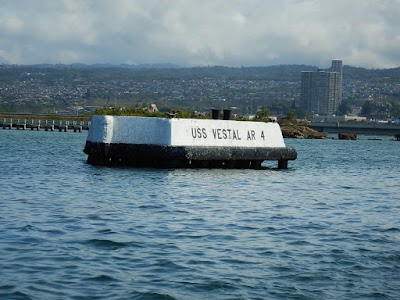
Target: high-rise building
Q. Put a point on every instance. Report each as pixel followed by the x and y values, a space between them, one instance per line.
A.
pixel 321 91
pixel 337 67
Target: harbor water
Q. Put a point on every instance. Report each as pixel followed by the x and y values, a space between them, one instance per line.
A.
pixel 326 228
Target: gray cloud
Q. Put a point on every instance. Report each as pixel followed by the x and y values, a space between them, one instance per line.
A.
pixel 191 32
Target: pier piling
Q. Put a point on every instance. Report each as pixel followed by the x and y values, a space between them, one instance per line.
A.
pixel 282 164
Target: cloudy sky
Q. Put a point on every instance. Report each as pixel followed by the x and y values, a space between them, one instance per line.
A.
pixel 364 33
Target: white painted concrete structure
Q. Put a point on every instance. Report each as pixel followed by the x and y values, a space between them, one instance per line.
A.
pixel 188 143
pixel 184 132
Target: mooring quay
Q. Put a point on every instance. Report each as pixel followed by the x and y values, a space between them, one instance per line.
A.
pixel 185 143
pixel 47 125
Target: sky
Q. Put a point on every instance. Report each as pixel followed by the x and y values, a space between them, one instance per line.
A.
pixel 363 33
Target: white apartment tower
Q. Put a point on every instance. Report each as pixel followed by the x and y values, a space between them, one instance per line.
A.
pixel 321 91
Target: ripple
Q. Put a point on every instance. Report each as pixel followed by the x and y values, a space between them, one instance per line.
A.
pixel 216 285
pixel 28 228
pixel 374 295
pixel 167 264
pixel 112 245
pixel 391 230
pixel 102 278
pixel 106 231
pixel 201 262
pixel 16 295
pixel 300 243
pixel 151 206
pixel 281 269
pixel 153 296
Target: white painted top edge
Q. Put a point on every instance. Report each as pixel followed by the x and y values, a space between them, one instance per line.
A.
pixel 184 132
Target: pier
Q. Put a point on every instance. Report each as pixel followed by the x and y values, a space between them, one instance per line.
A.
pixel 46 125
pixel 357 128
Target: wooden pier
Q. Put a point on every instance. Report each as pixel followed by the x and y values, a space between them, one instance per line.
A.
pixel 46 125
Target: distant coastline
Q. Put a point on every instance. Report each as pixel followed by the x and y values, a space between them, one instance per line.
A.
pixel 77 88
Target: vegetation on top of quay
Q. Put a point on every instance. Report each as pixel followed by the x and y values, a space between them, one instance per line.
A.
pixel 290 126
pixel 143 112
pixel 262 114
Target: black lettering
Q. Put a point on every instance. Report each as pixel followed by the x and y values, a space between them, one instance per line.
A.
pixel 219 133
pixel 235 136
pixel 229 133
pixel 223 134
pixel 199 133
pixel 204 133
pixel 251 135
pixel 262 135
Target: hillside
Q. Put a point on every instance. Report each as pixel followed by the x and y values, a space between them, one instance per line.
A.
pixel 50 88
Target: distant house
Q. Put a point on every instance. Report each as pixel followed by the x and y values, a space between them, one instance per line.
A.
pixel 152 108
pixel 89 108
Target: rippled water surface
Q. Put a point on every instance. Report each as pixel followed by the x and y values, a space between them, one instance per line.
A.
pixel 326 228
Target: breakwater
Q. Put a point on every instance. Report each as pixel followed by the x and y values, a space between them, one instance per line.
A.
pixel 45 124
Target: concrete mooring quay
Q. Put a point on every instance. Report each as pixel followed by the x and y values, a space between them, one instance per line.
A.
pixel 47 125
pixel 185 143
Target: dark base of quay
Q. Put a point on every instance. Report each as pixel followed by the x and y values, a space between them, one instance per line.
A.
pixel 185 157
